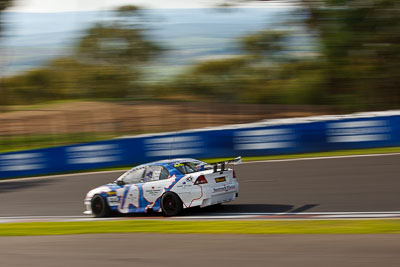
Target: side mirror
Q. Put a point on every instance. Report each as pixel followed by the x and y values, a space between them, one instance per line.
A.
pixel 120 182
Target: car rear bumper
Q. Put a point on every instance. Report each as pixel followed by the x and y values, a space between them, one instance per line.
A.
pixel 218 199
pixel 214 195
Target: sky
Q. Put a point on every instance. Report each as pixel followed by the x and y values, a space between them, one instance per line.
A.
pixel 89 5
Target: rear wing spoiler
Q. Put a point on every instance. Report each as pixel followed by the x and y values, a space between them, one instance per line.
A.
pixel 220 166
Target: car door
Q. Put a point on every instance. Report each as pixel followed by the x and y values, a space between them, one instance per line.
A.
pixel 129 193
pixel 153 188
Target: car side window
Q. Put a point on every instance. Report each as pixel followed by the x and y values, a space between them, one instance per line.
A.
pixel 155 173
pixel 164 174
pixel 152 173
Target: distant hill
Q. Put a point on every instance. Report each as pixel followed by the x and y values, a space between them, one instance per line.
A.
pixel 189 34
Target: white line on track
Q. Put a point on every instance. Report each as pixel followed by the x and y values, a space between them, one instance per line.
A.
pixel 222 214
pixel 303 215
pixel 41 217
pixel 215 216
pixel 311 213
pixel 322 158
pixel 360 216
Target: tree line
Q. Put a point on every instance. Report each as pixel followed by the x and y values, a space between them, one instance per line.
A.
pixel 354 63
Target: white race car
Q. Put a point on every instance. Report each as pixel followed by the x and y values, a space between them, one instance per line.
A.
pixel 167 186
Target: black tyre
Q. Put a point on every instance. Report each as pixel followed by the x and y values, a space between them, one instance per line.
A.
pixel 171 204
pixel 100 206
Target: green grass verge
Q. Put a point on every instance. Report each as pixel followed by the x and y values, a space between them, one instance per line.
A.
pixel 204 227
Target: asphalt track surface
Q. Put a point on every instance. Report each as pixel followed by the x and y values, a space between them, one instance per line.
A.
pixel 350 184
pixel 201 250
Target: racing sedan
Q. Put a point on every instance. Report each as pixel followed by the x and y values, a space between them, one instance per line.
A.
pixel 167 186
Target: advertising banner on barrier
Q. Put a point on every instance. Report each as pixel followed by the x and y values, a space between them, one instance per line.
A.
pixel 272 137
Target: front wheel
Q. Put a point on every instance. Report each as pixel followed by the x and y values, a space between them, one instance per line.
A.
pixel 100 207
pixel 171 204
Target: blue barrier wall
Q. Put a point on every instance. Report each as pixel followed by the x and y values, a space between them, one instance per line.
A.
pixel 274 137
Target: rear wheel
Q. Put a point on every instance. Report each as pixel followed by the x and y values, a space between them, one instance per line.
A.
pixel 171 204
pixel 100 206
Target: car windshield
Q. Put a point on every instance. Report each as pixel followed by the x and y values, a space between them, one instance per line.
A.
pixel 133 176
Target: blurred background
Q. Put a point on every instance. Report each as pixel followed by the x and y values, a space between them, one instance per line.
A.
pixel 93 70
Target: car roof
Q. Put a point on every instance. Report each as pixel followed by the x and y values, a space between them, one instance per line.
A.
pixel 174 161
pixel 168 162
